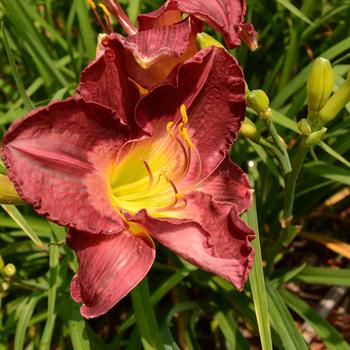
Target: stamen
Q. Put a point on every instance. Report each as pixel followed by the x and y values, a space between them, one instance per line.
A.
pixel 91 4
pixel 184 114
pixel 115 8
pixel 169 128
pixel 150 174
pixel 184 134
pixel 99 20
pixel 107 16
pixel 105 10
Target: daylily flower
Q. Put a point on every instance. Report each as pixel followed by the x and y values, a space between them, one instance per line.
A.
pixel 84 166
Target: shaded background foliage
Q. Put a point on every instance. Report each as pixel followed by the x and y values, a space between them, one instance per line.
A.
pixel 50 42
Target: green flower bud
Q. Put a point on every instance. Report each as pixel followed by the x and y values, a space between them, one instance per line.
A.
pixel 9 270
pixel 336 103
pixel 304 127
pixel 5 286
pixel 2 264
pixel 320 84
pixel 204 40
pixel 315 137
pixel 249 131
pixel 247 91
pixel 258 100
pixel 8 194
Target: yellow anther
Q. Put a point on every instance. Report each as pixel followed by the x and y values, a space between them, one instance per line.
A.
pixel 179 128
pixel 105 10
pixel 184 114
pixel 91 4
pixel 169 128
pixel 184 134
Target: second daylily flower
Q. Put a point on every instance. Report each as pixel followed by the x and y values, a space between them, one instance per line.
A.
pixel 87 166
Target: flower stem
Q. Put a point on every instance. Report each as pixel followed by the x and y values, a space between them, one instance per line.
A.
pixel 285 164
pixel 280 146
pixel 291 181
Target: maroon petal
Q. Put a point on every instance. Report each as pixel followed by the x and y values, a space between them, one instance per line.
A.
pixel 211 235
pixel 110 266
pixel 225 16
pixel 105 82
pixel 229 184
pixel 58 157
pixel 249 36
pixel 212 87
pixel 167 14
pixel 152 54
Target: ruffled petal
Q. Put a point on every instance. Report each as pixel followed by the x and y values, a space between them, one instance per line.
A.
pixel 166 15
pixel 210 235
pixel 229 184
pixel 249 36
pixel 225 16
pixel 110 266
pixel 105 82
pixel 58 159
pixel 212 87
pixel 153 54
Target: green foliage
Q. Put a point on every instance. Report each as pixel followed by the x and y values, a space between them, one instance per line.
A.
pixel 44 46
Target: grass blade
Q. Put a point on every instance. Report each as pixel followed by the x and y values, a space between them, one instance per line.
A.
pixel 283 322
pixel 328 334
pixel 26 100
pixel 45 343
pixel 14 213
pixel 229 328
pixel 25 315
pixel 145 317
pixel 289 6
pixel 257 283
pixel 324 276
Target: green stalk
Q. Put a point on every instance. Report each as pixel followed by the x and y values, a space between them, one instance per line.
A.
pixel 281 147
pixel 291 185
pixel 284 162
pixel 257 280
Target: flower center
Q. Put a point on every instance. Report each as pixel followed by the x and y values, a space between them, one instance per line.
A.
pixel 150 174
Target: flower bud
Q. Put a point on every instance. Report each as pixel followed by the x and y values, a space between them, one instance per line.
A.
pixel 336 103
pixel 304 127
pixel 9 270
pixel 315 137
pixel 204 40
pixel 258 100
pixel 320 84
pixel 2 264
pixel 249 131
pixel 5 286
pixel 8 194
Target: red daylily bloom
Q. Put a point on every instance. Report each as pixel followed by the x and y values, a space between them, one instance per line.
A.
pixel 81 164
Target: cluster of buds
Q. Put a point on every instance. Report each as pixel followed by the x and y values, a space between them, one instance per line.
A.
pixel 322 107
pixel 7 272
